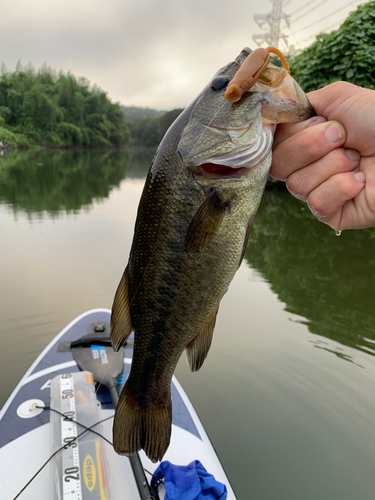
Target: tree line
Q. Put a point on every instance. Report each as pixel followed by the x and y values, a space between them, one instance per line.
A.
pixel 148 132
pixel 42 108
pixel 46 109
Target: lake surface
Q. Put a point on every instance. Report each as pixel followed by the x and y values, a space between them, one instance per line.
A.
pixel 287 393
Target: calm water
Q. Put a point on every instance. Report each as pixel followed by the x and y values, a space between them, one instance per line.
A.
pixel 287 392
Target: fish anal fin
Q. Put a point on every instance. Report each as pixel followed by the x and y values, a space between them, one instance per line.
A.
pixel 246 240
pixel 138 427
pixel 121 326
pixel 197 349
pixel 206 222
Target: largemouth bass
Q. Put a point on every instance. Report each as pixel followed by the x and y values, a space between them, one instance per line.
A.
pixel 194 219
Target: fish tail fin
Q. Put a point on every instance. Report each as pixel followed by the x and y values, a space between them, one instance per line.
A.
pixel 144 427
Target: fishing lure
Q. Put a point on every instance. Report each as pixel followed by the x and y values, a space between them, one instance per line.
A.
pixel 250 72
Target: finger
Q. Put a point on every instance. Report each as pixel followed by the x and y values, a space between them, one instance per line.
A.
pixel 301 182
pixel 286 130
pixel 359 212
pixel 327 100
pixel 306 147
pixel 354 107
pixel 327 200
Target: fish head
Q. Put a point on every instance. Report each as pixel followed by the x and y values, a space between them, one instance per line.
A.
pixel 224 140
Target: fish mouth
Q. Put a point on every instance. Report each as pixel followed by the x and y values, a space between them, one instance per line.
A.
pixel 244 154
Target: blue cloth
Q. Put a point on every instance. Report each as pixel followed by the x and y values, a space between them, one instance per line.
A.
pixel 189 482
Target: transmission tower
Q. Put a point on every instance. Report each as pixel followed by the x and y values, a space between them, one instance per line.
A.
pixel 271 22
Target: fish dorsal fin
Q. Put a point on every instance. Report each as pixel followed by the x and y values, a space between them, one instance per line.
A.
pixel 205 222
pixel 197 349
pixel 121 326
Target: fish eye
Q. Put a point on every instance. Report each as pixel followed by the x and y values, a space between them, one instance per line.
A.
pixel 219 82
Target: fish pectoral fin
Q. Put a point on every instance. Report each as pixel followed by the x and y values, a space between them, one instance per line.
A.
pixel 205 222
pixel 121 326
pixel 197 349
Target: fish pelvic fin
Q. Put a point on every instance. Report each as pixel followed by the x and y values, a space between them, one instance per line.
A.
pixel 121 326
pixel 146 427
pixel 197 349
pixel 206 222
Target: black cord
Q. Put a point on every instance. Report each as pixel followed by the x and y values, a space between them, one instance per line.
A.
pixel 87 429
pixel 158 481
pixel 75 421
pixel 57 451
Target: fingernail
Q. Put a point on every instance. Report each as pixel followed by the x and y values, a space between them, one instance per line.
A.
pixel 317 214
pixel 335 133
pixel 360 177
pixel 298 196
pixel 353 154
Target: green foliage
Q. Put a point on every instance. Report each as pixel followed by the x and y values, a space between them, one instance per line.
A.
pixel 345 54
pixel 166 120
pixel 144 132
pixel 11 139
pixel 148 132
pixel 58 110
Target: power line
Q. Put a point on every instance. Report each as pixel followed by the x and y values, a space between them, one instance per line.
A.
pixel 311 10
pixel 328 15
pixel 303 7
pixel 295 38
pixel 333 25
pixel 323 30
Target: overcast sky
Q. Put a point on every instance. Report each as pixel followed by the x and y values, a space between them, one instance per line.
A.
pixel 155 53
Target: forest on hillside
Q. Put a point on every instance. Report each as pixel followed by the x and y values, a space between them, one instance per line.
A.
pixel 132 113
pixel 148 132
pixel 49 109
pixel 46 109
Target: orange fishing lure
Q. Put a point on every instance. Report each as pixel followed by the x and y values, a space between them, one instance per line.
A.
pixel 250 71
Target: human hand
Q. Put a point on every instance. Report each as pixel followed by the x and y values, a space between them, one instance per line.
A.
pixel 329 160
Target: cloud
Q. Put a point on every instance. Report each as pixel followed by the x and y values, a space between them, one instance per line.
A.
pixel 145 52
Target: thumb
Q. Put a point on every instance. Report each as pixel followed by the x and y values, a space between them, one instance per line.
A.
pixel 327 100
pixel 354 108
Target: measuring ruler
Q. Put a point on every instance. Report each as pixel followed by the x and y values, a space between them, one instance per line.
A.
pixel 71 473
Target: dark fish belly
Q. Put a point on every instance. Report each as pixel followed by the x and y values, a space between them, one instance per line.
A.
pixel 178 290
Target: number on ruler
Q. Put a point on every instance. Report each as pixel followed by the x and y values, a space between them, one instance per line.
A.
pixel 70 471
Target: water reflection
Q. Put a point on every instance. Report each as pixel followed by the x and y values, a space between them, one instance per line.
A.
pixel 327 280
pixel 141 160
pixel 65 181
